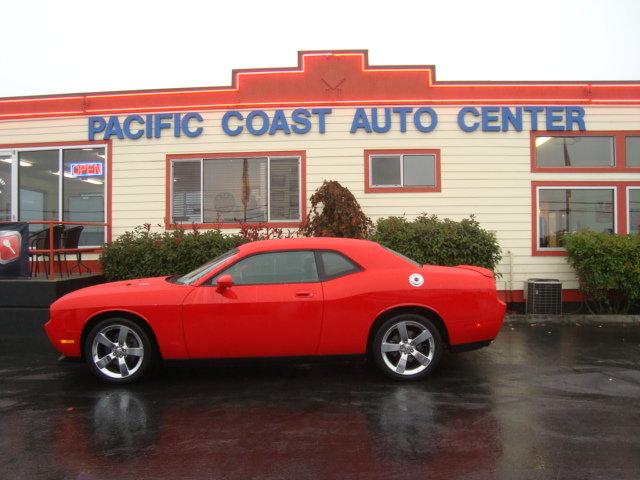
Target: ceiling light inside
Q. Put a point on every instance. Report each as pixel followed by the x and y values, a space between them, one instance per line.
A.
pixel 542 140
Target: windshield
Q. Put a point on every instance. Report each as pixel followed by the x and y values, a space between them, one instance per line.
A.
pixel 205 269
pixel 412 262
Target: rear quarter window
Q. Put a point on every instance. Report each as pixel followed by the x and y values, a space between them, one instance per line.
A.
pixel 336 265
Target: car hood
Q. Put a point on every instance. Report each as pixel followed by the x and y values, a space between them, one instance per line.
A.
pixel 141 290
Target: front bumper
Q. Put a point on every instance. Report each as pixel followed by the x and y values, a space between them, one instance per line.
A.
pixel 66 342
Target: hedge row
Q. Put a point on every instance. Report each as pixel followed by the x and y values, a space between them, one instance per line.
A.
pixel 608 266
pixel 143 253
pixel 608 269
pixel 429 240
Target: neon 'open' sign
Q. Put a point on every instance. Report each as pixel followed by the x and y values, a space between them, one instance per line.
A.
pixel 86 169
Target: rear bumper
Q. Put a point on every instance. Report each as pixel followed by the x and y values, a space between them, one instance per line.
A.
pixel 481 324
pixel 493 323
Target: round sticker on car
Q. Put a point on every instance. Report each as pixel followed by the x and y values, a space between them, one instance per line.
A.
pixel 416 279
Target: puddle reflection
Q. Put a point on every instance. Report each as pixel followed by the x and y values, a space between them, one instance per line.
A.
pixel 559 405
pixel 392 428
pixel 121 423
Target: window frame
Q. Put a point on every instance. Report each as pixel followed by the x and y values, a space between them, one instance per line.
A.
pixel 628 205
pixel 13 179
pixel 627 135
pixel 613 189
pixel 16 148
pixel 370 188
pixel 620 205
pixel 200 162
pixel 277 223
pixel 619 151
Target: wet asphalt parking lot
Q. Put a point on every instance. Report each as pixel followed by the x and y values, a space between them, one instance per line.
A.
pixel 543 402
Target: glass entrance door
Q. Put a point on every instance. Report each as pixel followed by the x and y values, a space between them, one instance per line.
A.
pixel 56 184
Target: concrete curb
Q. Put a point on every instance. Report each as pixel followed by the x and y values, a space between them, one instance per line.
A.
pixel 573 319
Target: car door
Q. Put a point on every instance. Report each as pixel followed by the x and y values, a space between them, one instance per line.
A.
pixel 350 301
pixel 274 308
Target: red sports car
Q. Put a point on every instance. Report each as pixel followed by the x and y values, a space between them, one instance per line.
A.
pixel 283 298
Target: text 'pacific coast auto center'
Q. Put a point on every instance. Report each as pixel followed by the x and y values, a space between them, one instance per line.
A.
pixel 531 160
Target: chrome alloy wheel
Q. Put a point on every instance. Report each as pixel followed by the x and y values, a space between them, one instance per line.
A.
pixel 407 348
pixel 117 351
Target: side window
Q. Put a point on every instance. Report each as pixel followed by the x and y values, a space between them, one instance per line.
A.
pixel 271 268
pixel 336 265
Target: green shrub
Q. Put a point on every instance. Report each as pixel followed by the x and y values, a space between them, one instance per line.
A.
pixel 608 269
pixel 335 212
pixel 429 240
pixel 142 253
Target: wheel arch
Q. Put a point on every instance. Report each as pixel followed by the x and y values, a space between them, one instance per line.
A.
pixel 421 310
pixel 131 316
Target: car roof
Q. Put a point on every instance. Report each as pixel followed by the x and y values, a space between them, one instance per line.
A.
pixel 364 252
pixel 315 243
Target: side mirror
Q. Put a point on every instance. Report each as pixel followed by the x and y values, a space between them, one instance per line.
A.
pixel 224 282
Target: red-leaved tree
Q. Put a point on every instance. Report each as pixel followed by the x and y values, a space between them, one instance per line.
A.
pixel 335 212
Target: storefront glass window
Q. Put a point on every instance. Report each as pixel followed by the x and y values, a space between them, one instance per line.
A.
pixel 39 183
pixel 186 194
pixel 565 210
pixel 284 192
pixel 83 192
pixel 574 152
pixel 634 210
pixel 403 171
pixel 236 190
pixel 64 184
pixel 633 151
pixel 419 170
pixel 385 171
pixel 5 186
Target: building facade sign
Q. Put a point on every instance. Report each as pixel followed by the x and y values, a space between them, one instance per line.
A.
pixel 134 127
pixel 369 120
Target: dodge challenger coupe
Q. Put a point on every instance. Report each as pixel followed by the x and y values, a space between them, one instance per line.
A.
pixel 296 297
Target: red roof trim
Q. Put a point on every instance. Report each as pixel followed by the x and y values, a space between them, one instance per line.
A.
pixel 324 78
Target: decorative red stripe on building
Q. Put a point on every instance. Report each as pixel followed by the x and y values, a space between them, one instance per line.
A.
pixel 331 78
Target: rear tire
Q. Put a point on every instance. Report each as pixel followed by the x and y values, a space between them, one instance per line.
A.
pixel 118 350
pixel 407 347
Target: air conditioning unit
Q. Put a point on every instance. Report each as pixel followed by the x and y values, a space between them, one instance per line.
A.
pixel 543 296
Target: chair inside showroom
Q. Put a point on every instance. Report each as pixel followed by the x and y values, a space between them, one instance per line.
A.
pixel 224 204
pixel 41 241
pixel 71 242
pixel 35 239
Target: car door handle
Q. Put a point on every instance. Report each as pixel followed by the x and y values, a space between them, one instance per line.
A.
pixel 304 294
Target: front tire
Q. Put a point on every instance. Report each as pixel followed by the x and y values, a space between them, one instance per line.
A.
pixel 407 347
pixel 118 350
